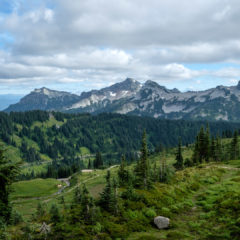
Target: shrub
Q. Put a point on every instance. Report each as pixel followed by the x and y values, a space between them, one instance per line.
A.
pixel 165 212
pixel 149 212
pixel 97 228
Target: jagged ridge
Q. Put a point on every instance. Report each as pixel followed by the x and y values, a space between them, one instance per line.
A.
pixel 132 97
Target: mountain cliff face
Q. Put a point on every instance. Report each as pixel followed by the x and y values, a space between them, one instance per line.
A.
pixel 148 99
pixel 44 99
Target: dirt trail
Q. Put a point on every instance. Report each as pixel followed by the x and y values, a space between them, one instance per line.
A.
pixel 224 167
pixel 86 180
pixel 229 168
pixel 60 191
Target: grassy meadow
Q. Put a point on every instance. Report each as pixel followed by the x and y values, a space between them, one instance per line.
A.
pixel 200 201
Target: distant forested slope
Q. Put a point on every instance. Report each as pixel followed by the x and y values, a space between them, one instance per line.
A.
pixel 37 135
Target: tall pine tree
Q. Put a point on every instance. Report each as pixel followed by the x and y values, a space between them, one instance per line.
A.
pixel 106 195
pixel 207 145
pixel 179 165
pixel 202 148
pixel 219 149
pixel 122 172
pixel 8 173
pixel 142 167
pixel 234 151
pixel 213 153
pixel 98 162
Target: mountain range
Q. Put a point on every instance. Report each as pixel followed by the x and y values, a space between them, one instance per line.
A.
pixel 132 97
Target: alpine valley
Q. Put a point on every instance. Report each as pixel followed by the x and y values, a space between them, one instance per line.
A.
pixel 132 97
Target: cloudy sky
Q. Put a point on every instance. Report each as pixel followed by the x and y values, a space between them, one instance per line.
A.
pixel 77 45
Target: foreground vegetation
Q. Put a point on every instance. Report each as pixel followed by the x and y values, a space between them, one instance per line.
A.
pixel 196 186
pixel 200 201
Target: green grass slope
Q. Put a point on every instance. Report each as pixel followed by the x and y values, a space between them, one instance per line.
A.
pixel 202 202
pixel 34 188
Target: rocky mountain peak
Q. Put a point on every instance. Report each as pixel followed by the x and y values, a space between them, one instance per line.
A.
pixel 129 80
pixel 131 97
pixel 155 86
pixel 46 92
pixel 150 83
pixel 43 90
pixel 128 85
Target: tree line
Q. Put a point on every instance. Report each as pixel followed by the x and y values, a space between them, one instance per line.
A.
pixel 106 133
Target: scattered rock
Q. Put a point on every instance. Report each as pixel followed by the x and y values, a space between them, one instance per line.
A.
pixel 161 222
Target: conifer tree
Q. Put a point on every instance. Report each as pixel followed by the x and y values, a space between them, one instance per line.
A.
pixel 154 172
pixel 162 168
pixel 109 197
pixel 8 172
pixel 98 162
pixel 129 193
pixel 179 158
pixel 83 207
pixel 202 149
pixel 122 172
pixel 77 196
pixel 218 149
pixel 213 154
pixel 234 151
pixel 142 167
pixel 195 157
pixel 164 171
pixel 89 164
pixel 207 145
pixel 114 199
pixel 107 193
pixel 87 204
pixel 201 144
pixel 54 212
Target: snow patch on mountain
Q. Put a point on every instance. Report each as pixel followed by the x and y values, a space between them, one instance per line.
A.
pixel 113 94
pixel 222 117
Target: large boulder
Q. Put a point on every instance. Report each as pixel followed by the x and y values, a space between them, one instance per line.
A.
pixel 161 222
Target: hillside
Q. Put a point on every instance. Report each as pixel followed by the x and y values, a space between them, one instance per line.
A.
pixel 133 98
pixel 72 141
pixel 95 195
pixel 197 201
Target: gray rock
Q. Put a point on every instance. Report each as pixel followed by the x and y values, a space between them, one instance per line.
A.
pixel 161 222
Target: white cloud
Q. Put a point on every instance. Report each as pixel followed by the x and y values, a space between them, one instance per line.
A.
pixel 103 41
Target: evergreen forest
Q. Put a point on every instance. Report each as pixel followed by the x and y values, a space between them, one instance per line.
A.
pixel 108 176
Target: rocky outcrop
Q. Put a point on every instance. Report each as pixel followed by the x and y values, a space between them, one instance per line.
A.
pixel 148 99
pixel 161 222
